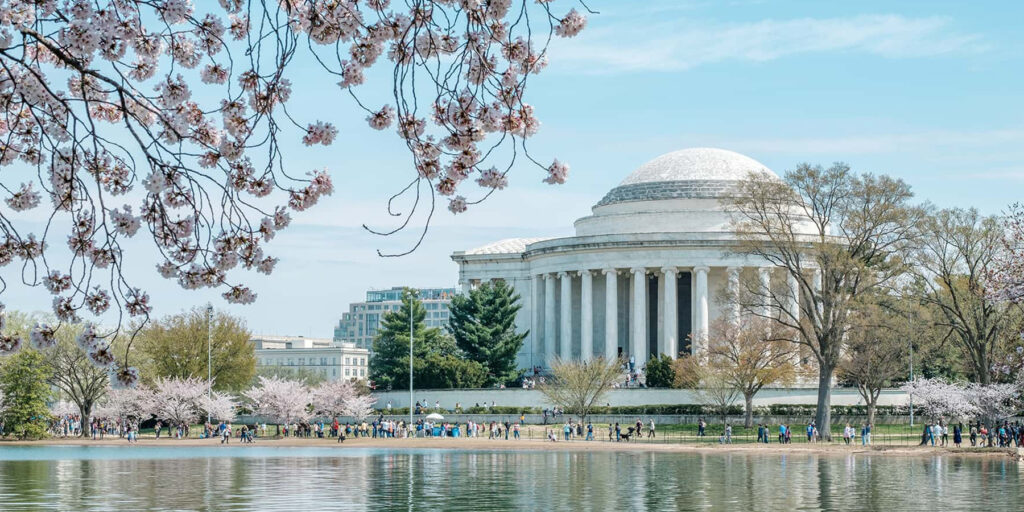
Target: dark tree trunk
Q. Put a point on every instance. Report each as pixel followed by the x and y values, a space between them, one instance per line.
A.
pixel 748 404
pixel 84 411
pixel 823 418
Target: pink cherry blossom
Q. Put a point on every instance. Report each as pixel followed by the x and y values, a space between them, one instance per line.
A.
pixel 557 173
pixel 457 204
pixel 178 108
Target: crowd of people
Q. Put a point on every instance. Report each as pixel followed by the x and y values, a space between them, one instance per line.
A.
pixel 977 434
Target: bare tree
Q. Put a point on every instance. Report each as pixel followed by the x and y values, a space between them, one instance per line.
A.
pixel 955 253
pixel 847 230
pixel 711 384
pixel 576 386
pixel 78 379
pixel 191 102
pixel 876 354
pixel 749 354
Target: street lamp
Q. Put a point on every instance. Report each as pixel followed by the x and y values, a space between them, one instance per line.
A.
pixel 209 357
pixel 410 361
pixel 911 395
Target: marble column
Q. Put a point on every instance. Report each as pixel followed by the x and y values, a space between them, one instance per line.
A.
pixel 537 321
pixel 565 339
pixel 817 290
pixel 794 310
pixel 701 321
pixel 794 297
pixel 734 292
pixel 670 339
pixel 765 275
pixel 586 315
pixel 466 286
pixel 639 342
pixel 549 318
pixel 611 313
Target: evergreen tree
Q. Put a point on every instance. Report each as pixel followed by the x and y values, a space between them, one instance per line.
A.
pixel 25 393
pixel 660 372
pixel 483 325
pixel 437 361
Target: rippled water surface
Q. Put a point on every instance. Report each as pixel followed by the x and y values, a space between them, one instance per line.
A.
pixel 272 478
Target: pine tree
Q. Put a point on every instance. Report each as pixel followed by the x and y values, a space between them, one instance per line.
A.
pixel 483 325
pixel 437 361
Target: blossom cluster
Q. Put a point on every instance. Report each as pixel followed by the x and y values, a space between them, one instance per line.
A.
pixel 1006 276
pixel 954 401
pixel 165 117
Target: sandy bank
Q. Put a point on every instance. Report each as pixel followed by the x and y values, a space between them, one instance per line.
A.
pixel 536 445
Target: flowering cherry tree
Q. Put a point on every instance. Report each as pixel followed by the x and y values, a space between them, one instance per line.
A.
pixel 219 406
pixel 360 405
pixel 283 400
pixel 179 401
pixel 169 118
pixel 62 408
pixel 940 399
pixel 1007 276
pixel 995 402
pixel 330 397
pixel 130 403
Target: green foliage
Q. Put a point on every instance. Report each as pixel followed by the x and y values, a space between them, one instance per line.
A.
pixel 660 372
pixel 25 392
pixel 176 346
pixel 483 325
pixel 437 361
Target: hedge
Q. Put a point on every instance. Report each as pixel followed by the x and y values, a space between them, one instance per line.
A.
pixel 678 409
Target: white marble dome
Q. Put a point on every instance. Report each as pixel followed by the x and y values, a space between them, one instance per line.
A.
pixel 696 164
pixel 695 173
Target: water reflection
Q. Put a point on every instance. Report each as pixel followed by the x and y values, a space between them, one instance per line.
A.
pixel 277 479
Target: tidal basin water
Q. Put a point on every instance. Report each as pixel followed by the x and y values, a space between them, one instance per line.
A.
pixel 303 479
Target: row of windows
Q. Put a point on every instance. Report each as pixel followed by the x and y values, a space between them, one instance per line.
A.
pixel 360 361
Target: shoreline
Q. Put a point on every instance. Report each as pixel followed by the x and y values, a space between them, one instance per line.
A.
pixel 538 445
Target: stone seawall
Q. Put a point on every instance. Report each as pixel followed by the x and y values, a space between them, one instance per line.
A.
pixel 619 397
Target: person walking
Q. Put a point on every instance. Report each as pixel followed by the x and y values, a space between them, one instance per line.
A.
pixel 650 431
pixel 701 427
pixel 618 432
pixel 590 431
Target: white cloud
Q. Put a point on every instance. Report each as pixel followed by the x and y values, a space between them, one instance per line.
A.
pixel 638 45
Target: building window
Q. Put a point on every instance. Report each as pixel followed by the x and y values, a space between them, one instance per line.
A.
pixel 347 361
pixel 290 361
pixel 346 372
pixel 362 373
pixel 362 361
pixel 302 361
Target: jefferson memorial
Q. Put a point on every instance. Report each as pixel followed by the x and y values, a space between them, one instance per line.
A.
pixel 642 274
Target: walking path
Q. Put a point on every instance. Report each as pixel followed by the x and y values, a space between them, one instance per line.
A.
pixel 537 445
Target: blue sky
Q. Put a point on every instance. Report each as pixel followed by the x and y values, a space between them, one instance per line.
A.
pixel 930 92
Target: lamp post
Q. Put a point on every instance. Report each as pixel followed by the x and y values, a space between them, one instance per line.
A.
pixel 410 361
pixel 209 357
pixel 911 380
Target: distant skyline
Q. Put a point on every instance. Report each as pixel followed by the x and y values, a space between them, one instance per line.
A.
pixel 925 91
